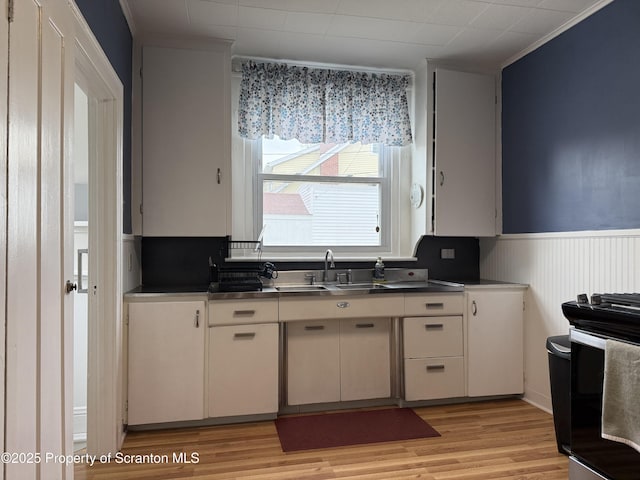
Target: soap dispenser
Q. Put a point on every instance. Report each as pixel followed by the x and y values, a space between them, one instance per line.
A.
pixel 378 271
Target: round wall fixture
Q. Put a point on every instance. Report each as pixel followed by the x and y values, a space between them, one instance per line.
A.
pixel 417 195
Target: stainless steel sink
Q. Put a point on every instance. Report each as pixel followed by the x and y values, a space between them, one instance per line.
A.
pixel 301 288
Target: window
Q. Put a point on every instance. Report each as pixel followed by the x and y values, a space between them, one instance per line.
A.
pixel 306 197
pixel 316 195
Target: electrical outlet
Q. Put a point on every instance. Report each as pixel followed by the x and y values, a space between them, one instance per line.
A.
pixel 448 253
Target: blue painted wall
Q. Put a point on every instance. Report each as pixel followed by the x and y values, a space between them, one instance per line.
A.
pixel 571 128
pixel 110 28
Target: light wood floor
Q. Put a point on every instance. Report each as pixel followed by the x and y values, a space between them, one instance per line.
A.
pixel 497 440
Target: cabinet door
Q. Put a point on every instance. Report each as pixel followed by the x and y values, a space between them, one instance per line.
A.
pixel 495 342
pixel 186 141
pixel 365 370
pixel 243 370
pixel 313 362
pixel 464 157
pixel 166 362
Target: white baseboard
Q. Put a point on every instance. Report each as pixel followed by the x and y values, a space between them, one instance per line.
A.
pixel 536 403
pixel 79 424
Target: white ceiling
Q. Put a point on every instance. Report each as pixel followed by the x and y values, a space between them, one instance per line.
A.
pixel 396 34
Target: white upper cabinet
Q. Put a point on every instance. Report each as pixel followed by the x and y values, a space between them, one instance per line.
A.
pixel 457 169
pixel 186 146
pixel 464 154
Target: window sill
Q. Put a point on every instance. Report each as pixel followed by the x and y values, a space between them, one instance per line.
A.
pixel 319 258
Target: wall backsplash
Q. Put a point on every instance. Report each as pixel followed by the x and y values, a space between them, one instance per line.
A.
pixel 179 260
pixel 465 265
pixel 184 260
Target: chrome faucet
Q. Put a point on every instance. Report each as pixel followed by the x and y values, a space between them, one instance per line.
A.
pixel 328 255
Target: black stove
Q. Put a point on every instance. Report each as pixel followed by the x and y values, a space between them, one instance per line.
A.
pixel 614 315
pixel 596 319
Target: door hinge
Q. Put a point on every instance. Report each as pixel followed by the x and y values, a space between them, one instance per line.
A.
pixel 141 212
pixel 10 11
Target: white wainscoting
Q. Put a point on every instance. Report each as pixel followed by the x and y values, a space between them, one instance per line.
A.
pixel 558 266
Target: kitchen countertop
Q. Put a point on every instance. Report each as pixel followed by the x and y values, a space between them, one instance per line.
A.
pixel 485 283
pixel 430 286
pixel 163 290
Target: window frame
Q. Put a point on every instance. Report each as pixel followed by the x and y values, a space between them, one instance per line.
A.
pixel 385 184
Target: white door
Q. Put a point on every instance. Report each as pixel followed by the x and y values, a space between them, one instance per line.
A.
pixel 101 127
pixel 38 328
pixel 4 64
pixel 81 226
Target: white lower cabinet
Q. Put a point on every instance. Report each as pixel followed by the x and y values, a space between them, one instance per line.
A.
pixel 166 361
pixel 433 345
pixel 495 358
pixel 243 370
pixel 338 348
pixel 338 360
pixel 433 358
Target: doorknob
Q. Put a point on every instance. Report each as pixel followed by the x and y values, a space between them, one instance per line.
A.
pixel 70 286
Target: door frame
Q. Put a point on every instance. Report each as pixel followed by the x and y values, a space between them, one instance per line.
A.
pixel 105 409
pixel 4 107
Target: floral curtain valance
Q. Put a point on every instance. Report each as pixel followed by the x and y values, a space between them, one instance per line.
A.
pixel 316 105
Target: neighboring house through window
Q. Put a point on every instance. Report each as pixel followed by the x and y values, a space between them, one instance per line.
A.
pixel 322 194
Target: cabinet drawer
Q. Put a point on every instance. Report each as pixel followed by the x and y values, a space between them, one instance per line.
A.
pixel 433 337
pixel 310 308
pixel 443 304
pixel 232 312
pixel 382 305
pixel 433 378
pixel 306 308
